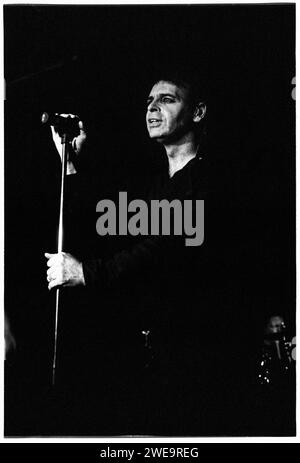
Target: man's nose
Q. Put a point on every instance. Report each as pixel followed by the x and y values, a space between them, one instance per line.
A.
pixel 153 106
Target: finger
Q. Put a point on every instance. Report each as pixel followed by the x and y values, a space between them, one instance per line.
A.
pixel 50 271
pixel 53 270
pixel 53 262
pixel 52 259
pixel 53 284
pixel 81 127
pixel 55 276
pixel 68 115
pixel 57 255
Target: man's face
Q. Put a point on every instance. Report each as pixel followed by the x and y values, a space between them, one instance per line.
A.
pixel 169 115
pixel 275 324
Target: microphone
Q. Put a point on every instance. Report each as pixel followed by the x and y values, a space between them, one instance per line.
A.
pixel 64 124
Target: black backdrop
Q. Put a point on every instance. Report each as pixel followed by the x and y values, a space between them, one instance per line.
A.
pixel 98 61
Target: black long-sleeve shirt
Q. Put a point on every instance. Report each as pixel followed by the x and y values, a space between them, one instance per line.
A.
pixel 154 283
pixel 149 252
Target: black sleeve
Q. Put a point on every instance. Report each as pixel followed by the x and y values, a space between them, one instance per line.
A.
pixel 149 254
pixel 135 261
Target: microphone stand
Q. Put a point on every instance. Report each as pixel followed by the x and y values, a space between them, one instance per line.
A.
pixel 64 154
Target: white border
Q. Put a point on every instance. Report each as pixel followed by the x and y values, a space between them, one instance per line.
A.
pixel 148 440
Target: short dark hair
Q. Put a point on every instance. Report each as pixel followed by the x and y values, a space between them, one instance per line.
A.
pixel 186 78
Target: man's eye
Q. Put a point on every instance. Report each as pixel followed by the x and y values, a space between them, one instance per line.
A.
pixel 167 99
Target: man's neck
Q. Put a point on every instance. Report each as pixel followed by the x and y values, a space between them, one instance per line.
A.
pixel 180 154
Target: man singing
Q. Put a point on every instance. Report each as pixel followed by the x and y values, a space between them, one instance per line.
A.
pixel 173 115
pixel 161 275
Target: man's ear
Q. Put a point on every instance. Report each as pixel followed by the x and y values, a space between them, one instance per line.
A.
pixel 199 112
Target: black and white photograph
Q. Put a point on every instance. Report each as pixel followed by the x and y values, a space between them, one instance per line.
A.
pixel 150 220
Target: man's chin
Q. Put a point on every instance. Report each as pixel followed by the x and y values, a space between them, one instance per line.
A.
pixel 157 137
pixel 163 139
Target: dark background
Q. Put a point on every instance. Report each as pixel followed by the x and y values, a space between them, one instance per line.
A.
pixel 99 62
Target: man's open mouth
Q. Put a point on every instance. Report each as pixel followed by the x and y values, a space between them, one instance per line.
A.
pixel 154 121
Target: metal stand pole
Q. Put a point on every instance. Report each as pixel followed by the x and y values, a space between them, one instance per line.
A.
pixel 59 243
